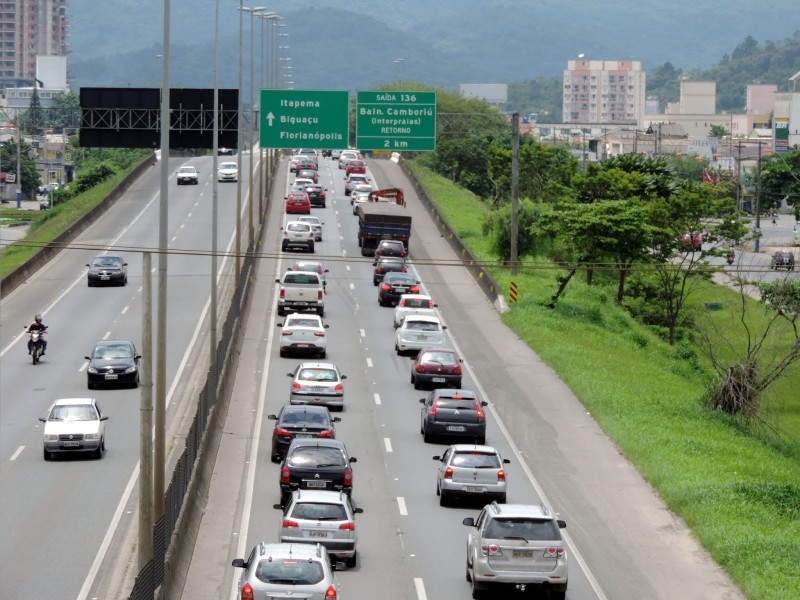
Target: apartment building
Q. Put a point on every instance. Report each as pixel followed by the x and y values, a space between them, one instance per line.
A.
pixel 29 28
pixel 604 91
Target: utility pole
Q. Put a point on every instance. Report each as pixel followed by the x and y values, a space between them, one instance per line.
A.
pixel 514 191
pixel 758 200
pixel 145 545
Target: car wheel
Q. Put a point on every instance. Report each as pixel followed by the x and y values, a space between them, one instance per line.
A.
pixel 89 385
pixel 323 354
pixel 98 454
pixel 481 441
pixel 558 595
pixel 501 499
pixel 276 458
pixel 311 248
pixel 351 561
pixel 374 281
pixel 125 281
pixel 282 353
pixel 443 499
pixel 426 437
pixel 89 283
pixel 281 312
pixel 46 454
pixel 135 383
pixel 478 589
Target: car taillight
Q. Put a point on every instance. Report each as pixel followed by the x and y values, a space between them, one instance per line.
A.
pixel 414 289
pixel 283 293
pixel 296 386
pixel 448 473
pixel 349 526
pixel 290 523
pixel 330 593
pixel 554 552
pixel 319 334
pixel 478 409
pixel 328 433
pixel 339 387
pixel 285 475
pixel 491 550
pixel 282 432
pixel 286 333
pixel 348 476
pixel 402 302
pixel 404 270
pixel 319 294
pixel 420 368
pixel 432 411
pixel 457 370
pixel 247 592
pixel 386 287
pixel 501 475
pixel 378 270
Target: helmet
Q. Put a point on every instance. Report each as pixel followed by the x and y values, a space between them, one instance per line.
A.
pixel 38 318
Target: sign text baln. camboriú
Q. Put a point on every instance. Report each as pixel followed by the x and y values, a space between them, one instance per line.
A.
pixel 304 118
pixel 396 120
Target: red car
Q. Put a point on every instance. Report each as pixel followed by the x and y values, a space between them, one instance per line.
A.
pixel 298 203
pixel 436 368
pixel 356 166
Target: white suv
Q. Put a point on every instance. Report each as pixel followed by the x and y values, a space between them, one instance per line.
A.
pixel 283 570
pixel 517 544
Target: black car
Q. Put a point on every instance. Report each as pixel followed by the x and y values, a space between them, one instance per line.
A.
pixel 113 363
pixel 306 163
pixel 316 195
pixel 301 421
pixel 453 413
pixel 390 248
pixel 107 269
pixel 782 259
pixel 318 464
pixel 394 285
pixel 386 265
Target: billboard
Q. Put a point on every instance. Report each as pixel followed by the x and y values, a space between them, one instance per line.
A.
pixel 780 134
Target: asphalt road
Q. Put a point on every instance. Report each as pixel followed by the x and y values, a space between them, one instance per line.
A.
pixel 623 542
pixel 55 515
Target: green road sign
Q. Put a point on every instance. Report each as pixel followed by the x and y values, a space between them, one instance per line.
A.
pixel 396 120
pixel 303 118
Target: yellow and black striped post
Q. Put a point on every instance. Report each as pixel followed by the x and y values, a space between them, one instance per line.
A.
pixel 513 291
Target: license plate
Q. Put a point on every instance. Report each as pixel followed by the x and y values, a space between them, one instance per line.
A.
pixel 402 290
pixel 105 277
pixel 316 484
pixel 316 389
pixel 301 345
pixel 522 553
pixel 455 428
pixel 438 379
pixel 111 376
pixel 70 444
pixel 303 435
pixel 322 534
pixel 473 489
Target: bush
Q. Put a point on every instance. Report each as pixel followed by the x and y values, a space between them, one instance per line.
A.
pixel 92 175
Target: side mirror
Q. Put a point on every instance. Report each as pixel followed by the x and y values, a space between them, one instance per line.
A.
pixel 327 271
pixel 43 420
pixel 561 524
pixel 272 417
pixel 277 507
pixel 339 566
pixel 88 357
pixel 344 376
pixel 290 374
pixel 444 327
pixel 124 264
pixel 484 403
pixel 506 461
pixel 468 521
pixel 239 562
pixel 326 326
pixel 279 324
pixel 104 418
pixel 358 511
pixel 422 400
pixel 437 457
pixel 137 357
pixel 336 420
pixel 353 459
pixel 277 281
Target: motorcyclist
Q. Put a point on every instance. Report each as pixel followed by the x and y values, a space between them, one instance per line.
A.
pixel 37 325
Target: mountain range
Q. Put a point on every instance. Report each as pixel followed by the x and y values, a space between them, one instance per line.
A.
pixel 360 44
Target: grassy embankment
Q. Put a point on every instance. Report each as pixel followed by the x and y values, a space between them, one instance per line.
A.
pixel 737 487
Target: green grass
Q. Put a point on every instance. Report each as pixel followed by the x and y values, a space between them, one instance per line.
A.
pixel 737 487
pixel 45 226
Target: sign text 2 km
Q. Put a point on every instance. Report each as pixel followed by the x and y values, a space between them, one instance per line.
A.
pixel 304 119
pixel 396 120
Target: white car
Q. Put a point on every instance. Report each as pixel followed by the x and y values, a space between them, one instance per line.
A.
pixel 468 471
pixel 303 334
pixel 74 425
pixel 359 195
pixel 316 225
pixel 228 171
pixel 299 184
pixel 187 175
pixel 418 332
pixel 413 304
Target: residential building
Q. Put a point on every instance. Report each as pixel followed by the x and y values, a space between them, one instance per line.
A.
pixel 29 28
pixel 604 91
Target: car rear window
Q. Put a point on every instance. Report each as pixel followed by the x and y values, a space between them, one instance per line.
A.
pixel 421 325
pixel 319 511
pixel 439 358
pixel 466 404
pixel 313 418
pixel 299 227
pixel 476 460
pixel 530 529
pixel 317 375
pixel 302 322
pixel 313 456
pixel 289 570
pixel 417 303
pixel 301 278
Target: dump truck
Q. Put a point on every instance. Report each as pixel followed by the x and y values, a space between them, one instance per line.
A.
pixel 381 221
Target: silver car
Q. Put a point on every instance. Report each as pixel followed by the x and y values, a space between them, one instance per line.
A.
pixel 322 517
pixel 413 304
pixel 470 471
pixel 228 171
pixel 74 425
pixel 316 225
pixel 418 332
pixel 516 544
pixel 288 571
pixel 317 383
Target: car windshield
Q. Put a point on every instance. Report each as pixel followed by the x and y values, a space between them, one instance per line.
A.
pixel 439 358
pixel 529 529
pixel 107 261
pixel 289 570
pixel 113 351
pixel 73 412
pixel 228 165
pixel 313 456
pixel 319 511
pixel 421 325
pixel 317 375
pixel 310 417
pixel 476 460
pixel 187 170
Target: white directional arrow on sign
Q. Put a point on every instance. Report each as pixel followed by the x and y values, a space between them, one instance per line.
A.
pixel 270 118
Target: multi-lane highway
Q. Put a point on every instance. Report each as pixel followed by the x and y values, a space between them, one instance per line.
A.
pixel 623 543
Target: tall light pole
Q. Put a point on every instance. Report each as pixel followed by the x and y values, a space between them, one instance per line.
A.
pixel 239 150
pixel 215 201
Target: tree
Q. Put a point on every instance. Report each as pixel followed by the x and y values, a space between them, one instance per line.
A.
pixel 780 178
pixel 30 177
pixel 65 112
pixel 771 345
pixel 33 120
pixel 718 131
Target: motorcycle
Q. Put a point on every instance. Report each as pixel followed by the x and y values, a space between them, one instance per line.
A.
pixel 730 257
pixel 36 344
